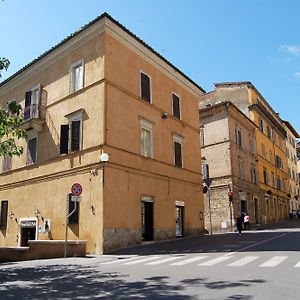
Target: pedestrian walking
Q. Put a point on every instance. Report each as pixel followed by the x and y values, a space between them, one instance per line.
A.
pixel 246 221
pixel 239 224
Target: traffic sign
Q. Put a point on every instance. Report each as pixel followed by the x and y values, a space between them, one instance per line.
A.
pixel 76 189
pixel 75 198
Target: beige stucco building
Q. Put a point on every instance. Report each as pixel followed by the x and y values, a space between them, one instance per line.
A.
pixel 103 90
pixel 293 180
pixel 273 202
pixel 228 148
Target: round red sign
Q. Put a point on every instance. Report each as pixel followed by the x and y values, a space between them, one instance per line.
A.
pixel 76 189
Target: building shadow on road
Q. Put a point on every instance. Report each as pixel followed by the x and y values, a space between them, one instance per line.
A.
pixel 230 242
pixel 88 282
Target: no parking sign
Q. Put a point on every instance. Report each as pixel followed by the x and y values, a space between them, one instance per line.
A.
pixel 76 189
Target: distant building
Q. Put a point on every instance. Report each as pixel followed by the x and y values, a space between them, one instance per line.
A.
pixel 103 91
pixel 228 148
pixel 270 135
pixel 293 178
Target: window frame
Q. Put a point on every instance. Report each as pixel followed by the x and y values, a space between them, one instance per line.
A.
pixel 72 69
pixel 239 137
pixel 3 217
pixel 150 87
pixel 6 162
pixel 148 126
pixel 73 117
pixel 32 134
pixel 179 105
pixel 179 140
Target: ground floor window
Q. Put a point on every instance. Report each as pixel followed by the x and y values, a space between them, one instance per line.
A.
pixel 179 220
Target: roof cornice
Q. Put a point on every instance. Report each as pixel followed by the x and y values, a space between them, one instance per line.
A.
pixel 96 27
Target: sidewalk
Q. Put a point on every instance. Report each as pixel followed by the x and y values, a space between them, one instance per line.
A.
pixel 277 225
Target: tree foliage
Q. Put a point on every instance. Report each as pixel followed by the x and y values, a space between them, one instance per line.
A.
pixel 4 64
pixel 10 131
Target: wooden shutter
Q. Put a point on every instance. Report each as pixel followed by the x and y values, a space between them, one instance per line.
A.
pixel 75 135
pixel 178 157
pixel 74 218
pixel 27 105
pixel 145 87
pixel 64 139
pixel 176 107
pixel 4 211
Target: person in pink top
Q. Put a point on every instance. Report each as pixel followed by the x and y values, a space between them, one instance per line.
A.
pixel 246 221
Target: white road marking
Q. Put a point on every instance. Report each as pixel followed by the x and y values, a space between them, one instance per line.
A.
pixel 273 262
pixel 297 265
pixel 142 260
pixel 244 261
pixel 251 246
pixel 214 261
pixel 161 261
pixel 119 260
pixel 188 261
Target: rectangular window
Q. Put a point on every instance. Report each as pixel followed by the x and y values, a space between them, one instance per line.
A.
pixel 146 138
pixel 6 164
pixel 241 165
pixel 251 145
pixel 176 106
pixel 263 150
pixel 177 142
pixel 261 125
pixel 269 132
pixel 145 87
pixel 253 176
pixel 273 179
pixel 271 156
pixel 32 103
pixel 32 143
pixel 4 212
pixel 71 133
pixel 76 76
pixel 74 218
pixel 266 176
pixel 238 137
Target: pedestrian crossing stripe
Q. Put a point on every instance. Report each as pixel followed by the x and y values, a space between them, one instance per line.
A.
pixel 243 261
pixel 214 261
pixel 188 259
pixel 273 262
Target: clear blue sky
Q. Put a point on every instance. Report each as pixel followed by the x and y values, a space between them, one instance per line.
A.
pixel 209 40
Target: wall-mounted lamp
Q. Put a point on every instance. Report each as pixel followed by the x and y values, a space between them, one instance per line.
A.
pixel 164 115
pixel 104 158
pixel 37 214
pixel 12 216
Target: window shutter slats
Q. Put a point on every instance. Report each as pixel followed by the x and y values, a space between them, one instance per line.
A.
pixel 75 139
pixel 64 139
pixel 145 87
pixel 176 107
pixel 178 157
pixel 4 211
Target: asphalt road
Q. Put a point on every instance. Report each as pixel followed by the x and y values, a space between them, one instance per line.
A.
pixel 262 264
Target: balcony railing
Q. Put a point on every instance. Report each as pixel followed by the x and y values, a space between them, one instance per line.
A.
pixel 34 111
pixel 33 117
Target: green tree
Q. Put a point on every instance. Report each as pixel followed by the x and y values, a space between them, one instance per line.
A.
pixel 10 121
pixel 10 131
pixel 4 64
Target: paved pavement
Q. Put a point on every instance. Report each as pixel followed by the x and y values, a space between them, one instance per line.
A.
pixel 260 264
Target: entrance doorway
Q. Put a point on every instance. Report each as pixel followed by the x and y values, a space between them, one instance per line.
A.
pixel 256 211
pixel 27 233
pixel 147 221
pixel 179 221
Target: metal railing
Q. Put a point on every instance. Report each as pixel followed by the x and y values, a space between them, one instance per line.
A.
pixel 33 111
